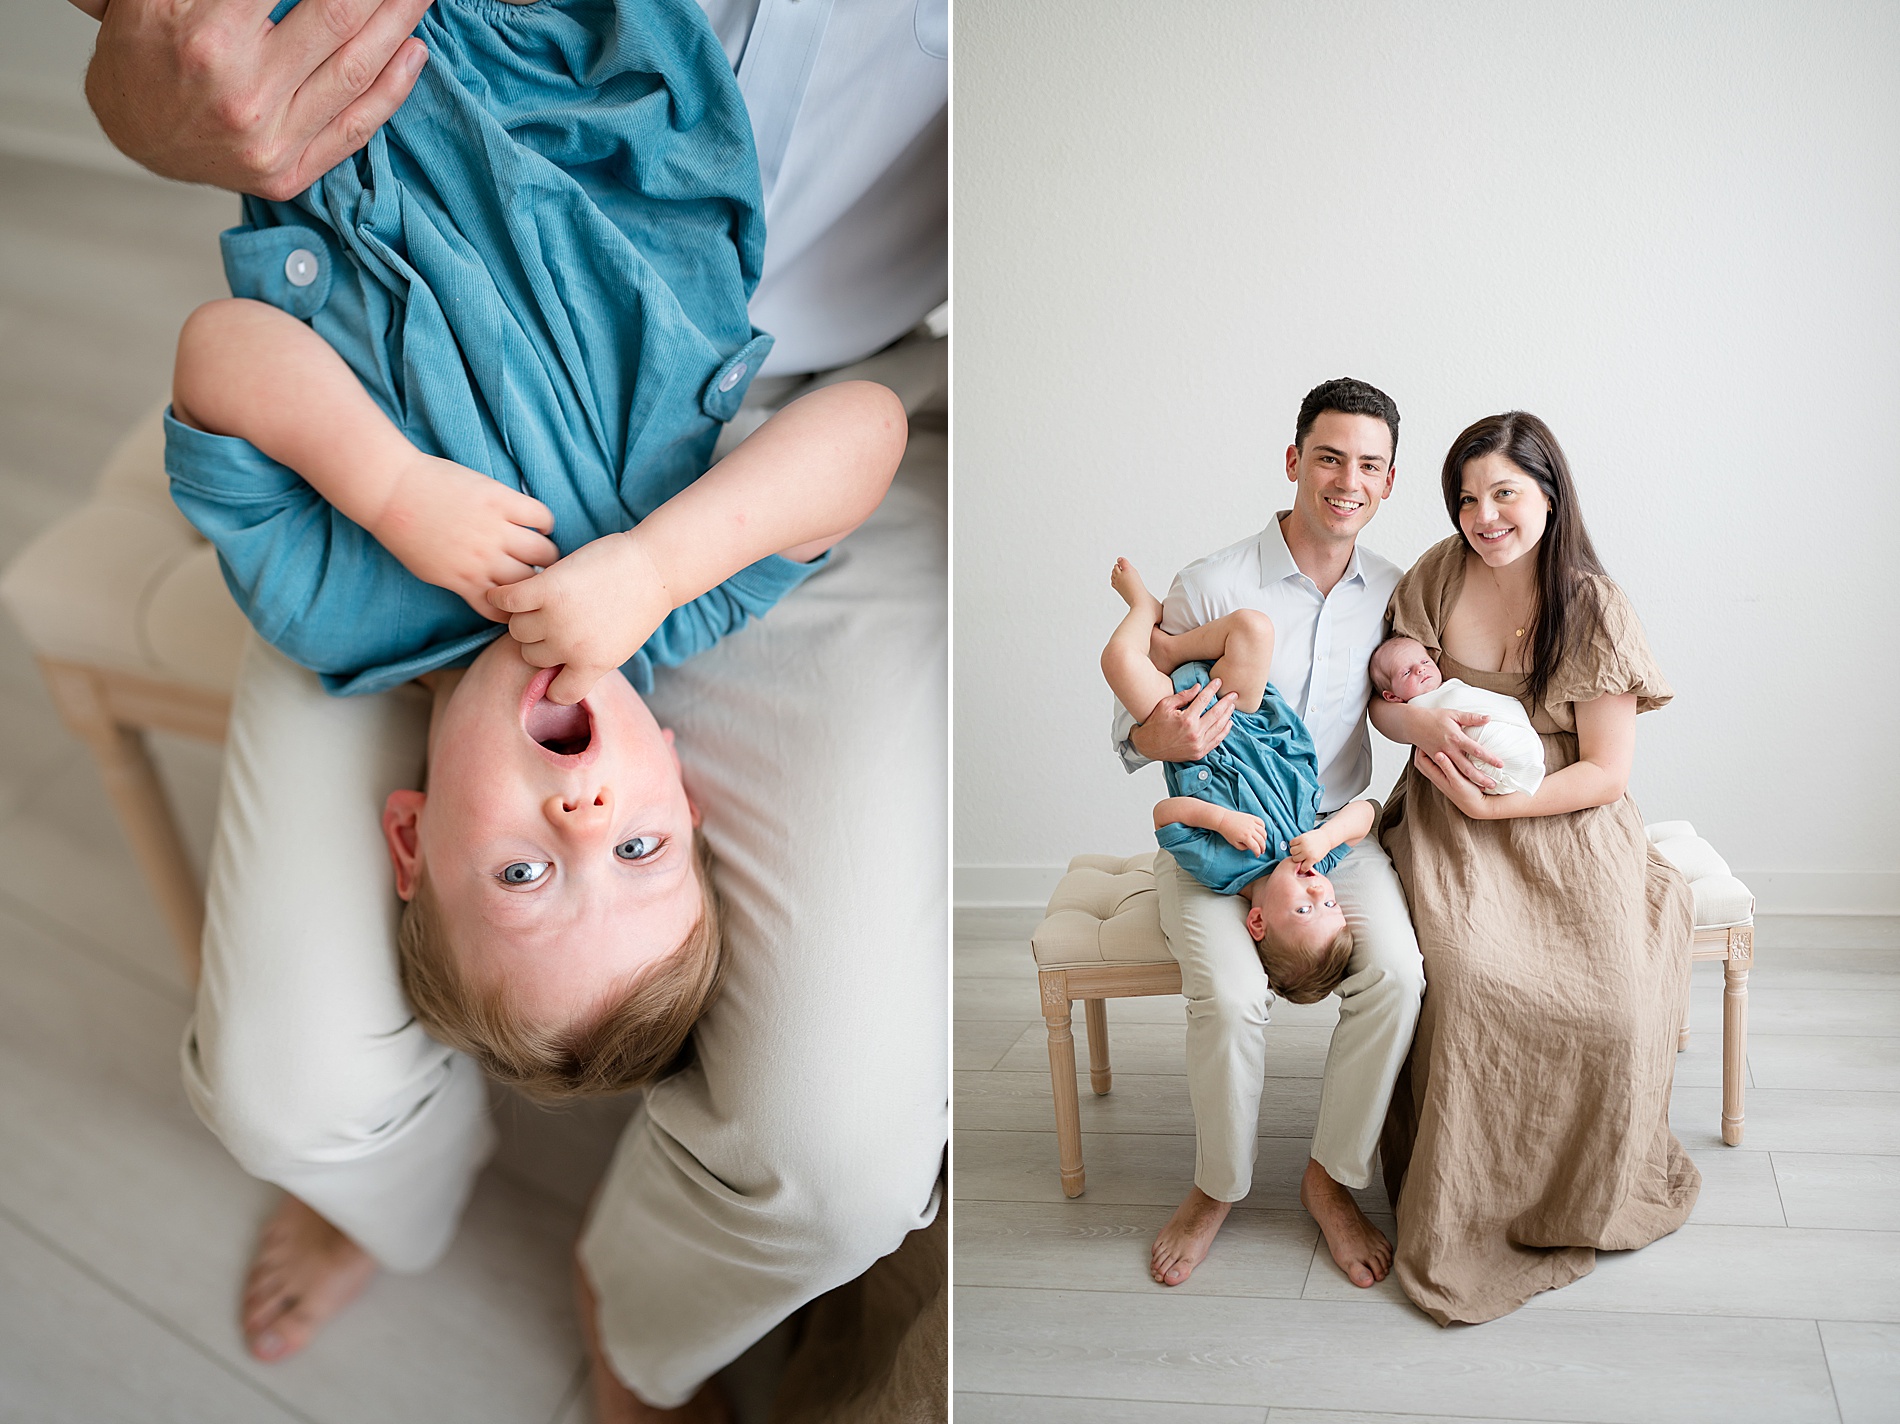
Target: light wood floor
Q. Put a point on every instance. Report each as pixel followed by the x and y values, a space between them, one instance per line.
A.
pixel 1778 1302
pixel 124 1227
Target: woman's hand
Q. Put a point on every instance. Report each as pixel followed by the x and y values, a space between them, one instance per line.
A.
pixel 1436 732
pixel 1439 770
pixel 1441 735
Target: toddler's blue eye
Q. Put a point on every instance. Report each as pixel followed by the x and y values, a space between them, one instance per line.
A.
pixel 639 848
pixel 524 872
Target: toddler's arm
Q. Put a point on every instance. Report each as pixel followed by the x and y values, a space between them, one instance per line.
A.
pixel 1237 828
pixel 1346 826
pixel 248 370
pixel 796 486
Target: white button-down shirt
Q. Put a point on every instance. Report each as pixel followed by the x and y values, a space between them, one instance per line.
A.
pixel 848 105
pixel 1321 645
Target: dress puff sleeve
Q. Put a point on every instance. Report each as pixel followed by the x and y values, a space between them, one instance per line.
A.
pixel 1610 659
pixel 1425 593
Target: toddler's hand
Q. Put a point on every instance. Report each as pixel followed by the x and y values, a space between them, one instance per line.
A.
pixel 1244 832
pixel 462 531
pixel 1304 850
pixel 591 611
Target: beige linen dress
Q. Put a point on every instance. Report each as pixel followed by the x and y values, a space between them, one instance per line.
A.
pixel 1529 1128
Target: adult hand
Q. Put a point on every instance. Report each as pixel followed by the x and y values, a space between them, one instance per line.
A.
pixel 1439 735
pixel 1177 730
pixel 1437 769
pixel 209 91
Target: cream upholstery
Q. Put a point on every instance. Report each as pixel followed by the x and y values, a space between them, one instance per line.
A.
pixel 125 583
pixel 1720 899
pixel 1104 911
pixel 123 603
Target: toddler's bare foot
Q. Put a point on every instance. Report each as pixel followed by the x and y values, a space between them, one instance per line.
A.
pixel 1125 581
pixel 1182 1244
pixel 304 1272
pixel 1358 1247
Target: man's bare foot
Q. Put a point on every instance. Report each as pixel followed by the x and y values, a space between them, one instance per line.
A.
pixel 614 1403
pixel 304 1272
pixel 1182 1244
pixel 1359 1247
pixel 1125 581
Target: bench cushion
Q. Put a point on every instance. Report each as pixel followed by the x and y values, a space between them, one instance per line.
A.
pixel 124 582
pixel 1105 910
pixel 1721 901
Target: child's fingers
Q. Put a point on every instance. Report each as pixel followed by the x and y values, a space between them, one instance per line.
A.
pixel 518 597
pixel 573 683
pixel 526 510
pixel 540 655
pixel 480 604
pixel 532 549
pixel 531 627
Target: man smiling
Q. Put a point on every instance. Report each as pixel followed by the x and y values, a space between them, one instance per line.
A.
pixel 1327 598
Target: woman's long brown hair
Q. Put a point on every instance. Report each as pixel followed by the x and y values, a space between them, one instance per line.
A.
pixel 1567 611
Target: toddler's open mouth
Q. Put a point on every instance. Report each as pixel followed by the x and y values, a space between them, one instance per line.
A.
pixel 565 731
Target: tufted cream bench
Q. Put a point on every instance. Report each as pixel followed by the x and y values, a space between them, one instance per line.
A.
pixel 1101 939
pixel 123 603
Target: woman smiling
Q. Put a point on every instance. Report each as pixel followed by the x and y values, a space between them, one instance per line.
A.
pixel 1530 1126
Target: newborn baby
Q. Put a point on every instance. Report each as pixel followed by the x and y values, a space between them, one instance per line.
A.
pixel 1404 672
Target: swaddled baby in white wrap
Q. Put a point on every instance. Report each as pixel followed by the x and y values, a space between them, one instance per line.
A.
pixel 1404 672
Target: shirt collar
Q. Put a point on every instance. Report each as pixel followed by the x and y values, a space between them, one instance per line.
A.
pixel 1276 560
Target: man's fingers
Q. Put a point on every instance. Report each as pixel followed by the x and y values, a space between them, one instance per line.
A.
pixel 315 31
pixel 1203 695
pixel 337 138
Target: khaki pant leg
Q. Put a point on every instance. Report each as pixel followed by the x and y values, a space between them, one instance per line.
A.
pixel 1227 1000
pixel 303 1056
pixel 806 1140
pixel 1378 1010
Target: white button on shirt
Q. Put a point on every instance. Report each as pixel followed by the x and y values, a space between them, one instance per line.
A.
pixel 1321 646
pixel 848 104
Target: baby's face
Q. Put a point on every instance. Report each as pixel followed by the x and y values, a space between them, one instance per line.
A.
pixel 1298 907
pixel 558 840
pixel 1410 668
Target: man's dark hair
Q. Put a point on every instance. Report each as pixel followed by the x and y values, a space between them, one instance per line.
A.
pixel 1348 397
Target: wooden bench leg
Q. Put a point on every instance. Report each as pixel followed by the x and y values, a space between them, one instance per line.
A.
pixel 1741 946
pixel 1097 1010
pixel 131 780
pixel 1055 1013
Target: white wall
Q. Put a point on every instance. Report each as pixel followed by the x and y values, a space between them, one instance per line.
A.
pixel 1672 231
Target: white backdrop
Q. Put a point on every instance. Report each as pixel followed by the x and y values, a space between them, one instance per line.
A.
pixel 1672 231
